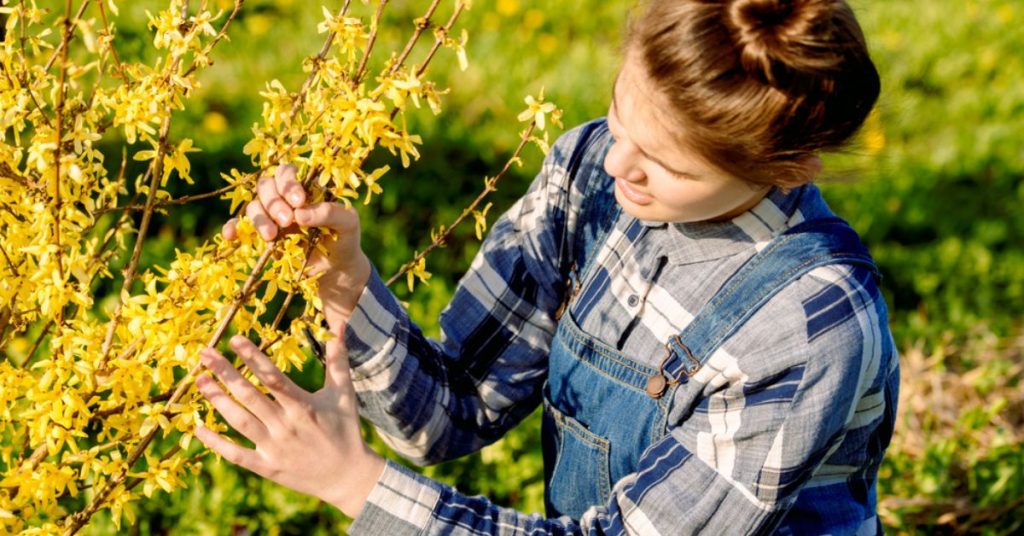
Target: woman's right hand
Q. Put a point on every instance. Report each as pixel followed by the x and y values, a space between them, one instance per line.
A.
pixel 280 208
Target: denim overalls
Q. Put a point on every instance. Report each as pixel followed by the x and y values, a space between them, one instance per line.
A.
pixel 602 409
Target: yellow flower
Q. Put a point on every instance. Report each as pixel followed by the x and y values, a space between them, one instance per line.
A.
pixel 481 221
pixel 537 109
pixel 417 270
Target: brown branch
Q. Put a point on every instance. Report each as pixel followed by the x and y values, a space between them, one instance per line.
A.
pixel 132 207
pixel 97 257
pixel 7 172
pixel 314 237
pixel 69 28
pixel 489 187
pixel 135 481
pixel 38 342
pixel 154 172
pixel 40 451
pixel 76 521
pixel 422 24
pixel 370 42
pixel 61 93
pixel 299 100
pixel 110 42
pixel 14 269
pixel 445 30
pixel 217 38
pixel 23 78
pixel 125 354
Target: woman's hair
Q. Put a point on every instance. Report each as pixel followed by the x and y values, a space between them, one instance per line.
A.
pixel 758 86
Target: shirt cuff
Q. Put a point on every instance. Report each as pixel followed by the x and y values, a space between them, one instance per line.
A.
pixel 371 330
pixel 402 503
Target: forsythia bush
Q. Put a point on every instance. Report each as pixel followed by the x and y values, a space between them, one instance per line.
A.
pixel 99 410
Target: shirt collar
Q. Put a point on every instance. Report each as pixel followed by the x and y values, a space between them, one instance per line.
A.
pixel 690 243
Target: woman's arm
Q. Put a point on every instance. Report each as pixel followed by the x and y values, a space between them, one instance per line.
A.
pixel 436 400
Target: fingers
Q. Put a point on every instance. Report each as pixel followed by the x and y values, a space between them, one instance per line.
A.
pixel 272 378
pixel 331 215
pixel 275 206
pixel 236 454
pixel 336 361
pixel 246 423
pixel 288 186
pixel 318 263
pixel 230 229
pixel 266 227
pixel 254 402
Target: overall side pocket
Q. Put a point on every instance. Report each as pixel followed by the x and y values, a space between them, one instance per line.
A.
pixel 579 475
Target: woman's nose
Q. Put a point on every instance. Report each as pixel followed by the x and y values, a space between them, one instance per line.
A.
pixel 622 161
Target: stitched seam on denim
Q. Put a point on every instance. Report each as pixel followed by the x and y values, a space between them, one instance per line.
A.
pixel 577 429
pixel 605 374
pixel 581 337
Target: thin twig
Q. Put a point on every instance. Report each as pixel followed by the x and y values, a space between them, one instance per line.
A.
pixel 370 42
pixel 110 41
pixel 488 188
pixel 171 202
pixel 76 521
pixel 68 33
pixel 422 24
pixel 61 92
pixel 439 40
pixel 217 38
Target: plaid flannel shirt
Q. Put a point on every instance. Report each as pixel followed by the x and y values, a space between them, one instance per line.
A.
pixel 799 402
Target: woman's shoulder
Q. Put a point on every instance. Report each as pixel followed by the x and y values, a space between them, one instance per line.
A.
pixel 831 319
pixel 831 311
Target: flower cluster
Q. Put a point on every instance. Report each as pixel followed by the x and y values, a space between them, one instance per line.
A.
pixel 96 405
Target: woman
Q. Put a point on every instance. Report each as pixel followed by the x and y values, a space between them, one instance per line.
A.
pixel 706 336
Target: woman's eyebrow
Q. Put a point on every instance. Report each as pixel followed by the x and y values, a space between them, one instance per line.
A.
pixel 646 154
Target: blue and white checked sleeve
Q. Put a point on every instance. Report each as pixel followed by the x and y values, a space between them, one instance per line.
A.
pixel 437 400
pixel 794 413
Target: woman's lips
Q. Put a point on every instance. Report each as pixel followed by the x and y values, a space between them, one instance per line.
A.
pixel 631 194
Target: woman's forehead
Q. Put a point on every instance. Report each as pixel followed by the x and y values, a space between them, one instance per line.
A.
pixel 642 110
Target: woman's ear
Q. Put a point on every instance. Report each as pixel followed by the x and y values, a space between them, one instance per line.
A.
pixel 813 165
pixel 802 171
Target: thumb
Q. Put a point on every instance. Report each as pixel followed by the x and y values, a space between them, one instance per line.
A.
pixel 328 214
pixel 337 371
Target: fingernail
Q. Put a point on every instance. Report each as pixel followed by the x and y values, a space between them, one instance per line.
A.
pixel 282 215
pixel 237 340
pixel 296 198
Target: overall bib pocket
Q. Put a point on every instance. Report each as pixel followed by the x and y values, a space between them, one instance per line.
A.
pixel 581 465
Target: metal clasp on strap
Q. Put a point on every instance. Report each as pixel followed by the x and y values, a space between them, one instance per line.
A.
pixel 658 383
pixel 571 291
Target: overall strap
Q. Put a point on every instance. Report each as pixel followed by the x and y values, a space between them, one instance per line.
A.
pixel 598 210
pixel 799 250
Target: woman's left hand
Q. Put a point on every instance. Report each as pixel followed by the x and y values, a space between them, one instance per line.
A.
pixel 309 442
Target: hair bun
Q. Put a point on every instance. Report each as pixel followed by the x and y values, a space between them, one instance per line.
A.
pixel 780 40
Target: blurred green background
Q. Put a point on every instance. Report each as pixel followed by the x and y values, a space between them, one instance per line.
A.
pixel 935 184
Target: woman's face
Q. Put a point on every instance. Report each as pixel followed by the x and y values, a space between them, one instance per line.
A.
pixel 658 178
